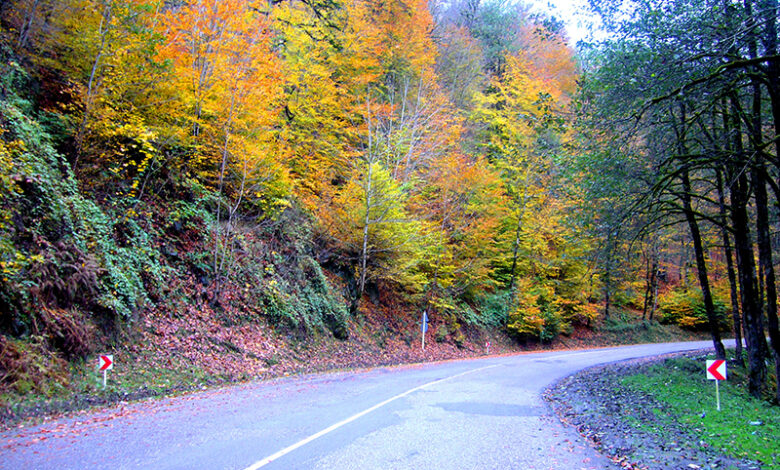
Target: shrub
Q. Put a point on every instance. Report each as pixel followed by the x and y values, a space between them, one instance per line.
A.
pixel 300 299
pixel 491 311
pixel 539 311
pixel 27 365
pixel 685 308
pixel 533 308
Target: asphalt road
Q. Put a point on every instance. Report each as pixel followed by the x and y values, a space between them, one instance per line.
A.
pixel 472 414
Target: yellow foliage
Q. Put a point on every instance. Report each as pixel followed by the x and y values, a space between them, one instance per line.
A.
pixel 229 83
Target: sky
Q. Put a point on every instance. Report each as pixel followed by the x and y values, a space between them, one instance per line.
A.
pixel 574 13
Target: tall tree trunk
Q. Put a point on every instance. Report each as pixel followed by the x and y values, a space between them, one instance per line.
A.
pixel 733 292
pixel 765 255
pixel 751 310
pixel 651 283
pixel 364 248
pixel 363 266
pixel 608 277
pixel 89 99
pixel 701 267
pixel 698 247
pixel 769 10
pixel 648 287
pixel 683 266
pixel 27 24
pixel 743 249
pixel 513 274
pixel 515 252
pixel 763 237
pixel 222 236
pixel 655 295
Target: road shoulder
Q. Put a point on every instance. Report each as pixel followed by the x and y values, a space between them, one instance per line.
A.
pixel 618 421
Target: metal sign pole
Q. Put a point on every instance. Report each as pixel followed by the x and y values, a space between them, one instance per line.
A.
pixel 716 370
pixel 423 328
pixel 717 394
pixel 105 362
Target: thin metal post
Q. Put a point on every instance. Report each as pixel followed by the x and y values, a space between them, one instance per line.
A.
pixel 717 393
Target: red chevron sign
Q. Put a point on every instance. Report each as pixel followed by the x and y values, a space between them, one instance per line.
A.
pixel 716 370
pixel 106 362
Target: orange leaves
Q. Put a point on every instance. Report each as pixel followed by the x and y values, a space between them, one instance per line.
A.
pixel 550 60
pixel 466 204
pixel 223 64
pixel 227 82
pixel 391 36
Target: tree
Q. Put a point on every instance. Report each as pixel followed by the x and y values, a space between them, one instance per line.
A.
pixel 222 58
pixel 678 56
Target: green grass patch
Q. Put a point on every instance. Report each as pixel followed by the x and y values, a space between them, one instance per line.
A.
pixel 744 428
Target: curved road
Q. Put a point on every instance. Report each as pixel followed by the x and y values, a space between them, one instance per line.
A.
pixel 471 414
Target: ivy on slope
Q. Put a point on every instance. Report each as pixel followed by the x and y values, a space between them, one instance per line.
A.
pixel 74 268
pixel 60 253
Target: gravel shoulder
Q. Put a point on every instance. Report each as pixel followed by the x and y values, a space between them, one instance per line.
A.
pixel 623 424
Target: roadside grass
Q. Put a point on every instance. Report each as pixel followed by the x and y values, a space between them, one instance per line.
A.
pixel 84 389
pixel 744 428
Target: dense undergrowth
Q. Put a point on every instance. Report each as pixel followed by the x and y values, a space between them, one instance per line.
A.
pixel 82 267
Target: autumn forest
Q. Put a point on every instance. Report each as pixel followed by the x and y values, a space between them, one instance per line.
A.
pixel 299 164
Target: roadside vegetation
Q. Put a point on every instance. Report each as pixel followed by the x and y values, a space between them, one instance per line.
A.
pixel 653 414
pixel 151 368
pixel 745 427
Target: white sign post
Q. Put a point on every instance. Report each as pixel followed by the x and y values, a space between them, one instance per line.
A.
pixel 424 328
pixel 105 363
pixel 716 370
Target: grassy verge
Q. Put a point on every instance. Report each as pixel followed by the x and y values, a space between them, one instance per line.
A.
pixel 83 388
pixel 744 428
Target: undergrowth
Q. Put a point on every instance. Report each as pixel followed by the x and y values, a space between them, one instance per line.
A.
pixel 624 326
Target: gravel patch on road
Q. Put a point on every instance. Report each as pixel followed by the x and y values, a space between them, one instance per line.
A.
pixel 620 423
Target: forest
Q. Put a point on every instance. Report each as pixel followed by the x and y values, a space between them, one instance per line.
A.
pixel 302 161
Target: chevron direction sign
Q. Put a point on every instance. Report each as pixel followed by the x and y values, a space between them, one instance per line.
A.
pixel 106 362
pixel 716 370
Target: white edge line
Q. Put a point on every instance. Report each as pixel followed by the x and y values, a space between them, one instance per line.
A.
pixel 301 443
